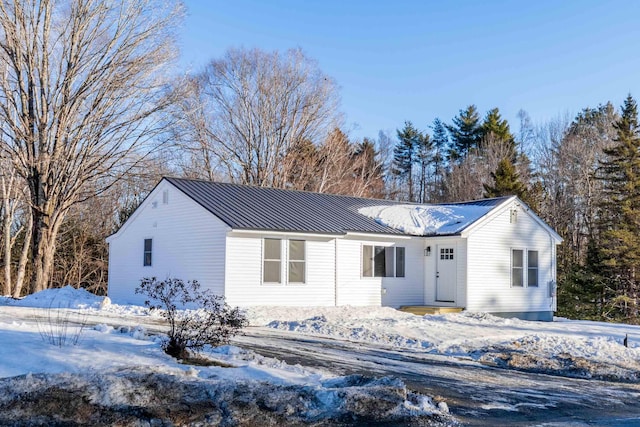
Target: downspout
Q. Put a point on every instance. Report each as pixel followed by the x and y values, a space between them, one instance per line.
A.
pixel 335 271
pixel 553 291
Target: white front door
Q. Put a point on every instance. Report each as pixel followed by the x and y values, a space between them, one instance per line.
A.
pixel 446 257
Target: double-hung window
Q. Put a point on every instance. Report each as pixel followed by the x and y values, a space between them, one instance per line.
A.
pixel 294 259
pixel 383 261
pixel 272 261
pixel 519 268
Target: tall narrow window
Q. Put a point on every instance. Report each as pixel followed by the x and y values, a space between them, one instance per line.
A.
pixel 389 260
pixel 379 264
pixel 399 261
pixel 367 261
pixel 296 261
pixel 147 252
pixel 532 268
pixel 272 261
pixel 517 268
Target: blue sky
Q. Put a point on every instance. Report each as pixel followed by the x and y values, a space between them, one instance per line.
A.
pixel 418 60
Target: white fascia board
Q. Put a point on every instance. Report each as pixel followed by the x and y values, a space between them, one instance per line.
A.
pixel 233 231
pixel 443 236
pixel 504 206
pixel 373 236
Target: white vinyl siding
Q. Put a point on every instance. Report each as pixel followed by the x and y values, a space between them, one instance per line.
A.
pixel 489 266
pixel 244 272
pixel 188 243
pixel 356 283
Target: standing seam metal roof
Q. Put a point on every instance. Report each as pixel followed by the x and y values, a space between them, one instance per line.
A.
pixel 246 207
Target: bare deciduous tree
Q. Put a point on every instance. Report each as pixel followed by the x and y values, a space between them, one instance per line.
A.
pixel 244 112
pixel 80 85
pixel 567 163
pixel 16 222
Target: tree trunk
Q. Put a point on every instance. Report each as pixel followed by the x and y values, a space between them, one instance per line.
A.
pixel 43 241
pixel 6 232
pixel 24 258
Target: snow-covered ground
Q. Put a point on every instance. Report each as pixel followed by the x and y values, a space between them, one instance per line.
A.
pixel 565 347
pixel 119 350
pixel 115 349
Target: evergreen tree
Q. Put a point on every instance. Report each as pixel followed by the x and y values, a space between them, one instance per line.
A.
pixel 301 165
pixel 620 212
pixel 405 155
pixel 368 168
pixel 424 159
pixel 496 128
pixel 466 133
pixel 440 142
pixel 506 181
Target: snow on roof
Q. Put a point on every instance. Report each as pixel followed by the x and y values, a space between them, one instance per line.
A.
pixel 426 220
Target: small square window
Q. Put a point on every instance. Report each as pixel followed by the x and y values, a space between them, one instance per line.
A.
pixel 446 253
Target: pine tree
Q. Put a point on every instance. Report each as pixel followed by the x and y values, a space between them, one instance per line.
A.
pixel 405 155
pixel 424 160
pixel 368 169
pixel 496 128
pixel 506 181
pixel 440 142
pixel 466 133
pixel 620 211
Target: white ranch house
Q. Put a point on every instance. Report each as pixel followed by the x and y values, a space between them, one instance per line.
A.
pixel 263 246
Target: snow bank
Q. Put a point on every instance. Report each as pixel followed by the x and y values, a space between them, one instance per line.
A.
pixel 423 220
pixel 115 370
pixel 137 397
pixel 571 348
pixel 67 297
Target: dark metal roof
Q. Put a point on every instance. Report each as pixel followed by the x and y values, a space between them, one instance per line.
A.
pixel 245 207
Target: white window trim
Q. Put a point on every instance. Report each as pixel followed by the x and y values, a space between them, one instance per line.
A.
pixel 306 278
pixel 525 268
pixel 537 269
pixel 262 260
pixel 144 252
pixel 284 262
pixel 373 261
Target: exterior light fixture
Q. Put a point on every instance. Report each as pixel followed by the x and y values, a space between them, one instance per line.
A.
pixel 427 251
